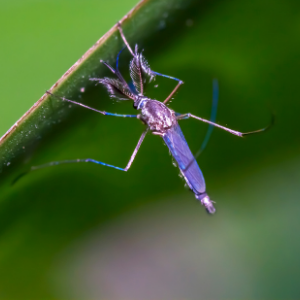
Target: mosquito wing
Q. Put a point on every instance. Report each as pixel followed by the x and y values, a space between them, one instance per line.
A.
pixel 181 152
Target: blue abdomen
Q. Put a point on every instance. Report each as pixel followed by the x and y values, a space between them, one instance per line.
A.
pixel 181 152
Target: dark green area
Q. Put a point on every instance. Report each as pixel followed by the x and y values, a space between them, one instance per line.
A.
pixel 249 249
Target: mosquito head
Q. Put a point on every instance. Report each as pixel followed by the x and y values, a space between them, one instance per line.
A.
pixel 139 101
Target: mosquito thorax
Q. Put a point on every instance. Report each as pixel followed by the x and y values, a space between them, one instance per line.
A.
pixel 156 115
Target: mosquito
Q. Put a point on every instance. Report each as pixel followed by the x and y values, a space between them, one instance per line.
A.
pixel 158 118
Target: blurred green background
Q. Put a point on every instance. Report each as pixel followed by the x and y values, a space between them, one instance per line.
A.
pixel 90 232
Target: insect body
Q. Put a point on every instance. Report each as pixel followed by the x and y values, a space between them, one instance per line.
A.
pixel 158 118
pixel 162 121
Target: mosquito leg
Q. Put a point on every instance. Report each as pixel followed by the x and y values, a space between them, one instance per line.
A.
pixel 188 115
pixel 91 108
pixel 174 91
pixel 54 163
pixel 180 82
pixel 136 149
pixel 213 115
pixel 212 119
pixel 124 39
pixel 167 76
